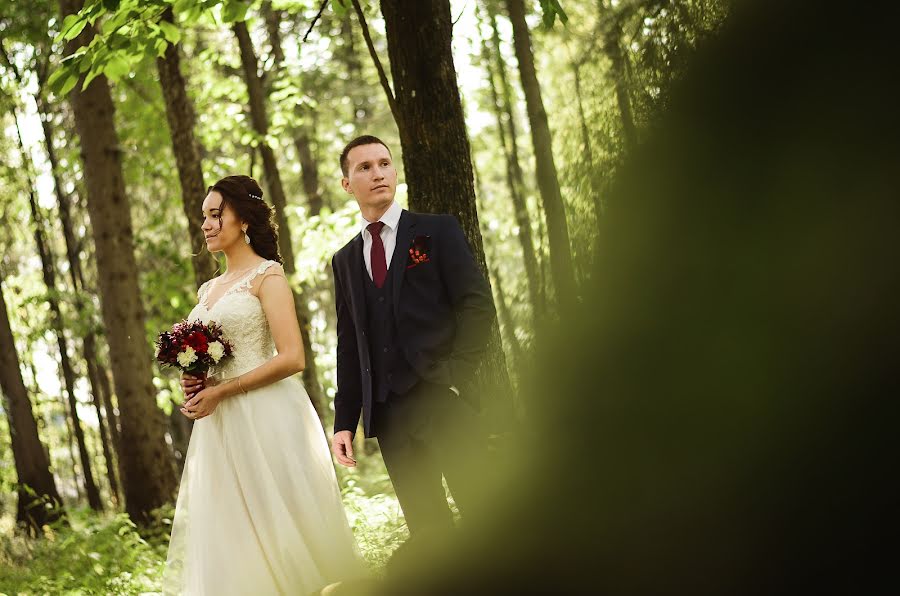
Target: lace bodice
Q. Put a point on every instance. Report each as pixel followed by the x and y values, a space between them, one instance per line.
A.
pixel 243 321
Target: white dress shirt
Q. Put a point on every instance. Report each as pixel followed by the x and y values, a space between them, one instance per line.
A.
pixel 390 219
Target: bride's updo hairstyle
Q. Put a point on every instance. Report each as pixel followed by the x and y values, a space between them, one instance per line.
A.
pixel 244 196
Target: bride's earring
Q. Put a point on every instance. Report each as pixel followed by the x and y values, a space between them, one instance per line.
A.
pixel 246 236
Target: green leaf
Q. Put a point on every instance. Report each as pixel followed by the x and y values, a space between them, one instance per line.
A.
pixel 117 67
pixel 57 74
pixel 235 11
pixel 161 46
pixel 96 71
pixel 76 29
pixel 550 9
pixel 68 85
pixel 170 31
pixel 62 80
pixel 64 28
pixel 340 7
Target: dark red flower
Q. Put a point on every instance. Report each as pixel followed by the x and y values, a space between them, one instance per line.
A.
pixel 197 340
pixel 418 250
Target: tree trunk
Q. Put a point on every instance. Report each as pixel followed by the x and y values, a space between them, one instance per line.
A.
pixel 613 51
pixel 105 416
pixel 348 54
pixel 586 141
pixel 148 475
pixel 561 265
pixel 272 18
pixel 180 114
pixel 111 413
pixel 513 173
pixel 433 136
pixel 180 431
pixel 49 276
pixel 38 499
pixel 93 379
pixel 510 326
pixel 260 121
pixel 309 170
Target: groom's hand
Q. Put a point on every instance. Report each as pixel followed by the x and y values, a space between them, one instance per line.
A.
pixel 342 447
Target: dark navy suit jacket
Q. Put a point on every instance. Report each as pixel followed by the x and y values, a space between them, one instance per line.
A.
pixel 443 312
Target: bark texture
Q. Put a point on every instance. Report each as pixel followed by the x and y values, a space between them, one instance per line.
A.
pixel 436 154
pixel 148 476
pixel 561 267
pixel 38 499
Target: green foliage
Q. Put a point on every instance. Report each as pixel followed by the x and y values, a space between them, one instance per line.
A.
pixel 550 10
pixel 96 555
pixel 131 31
pixel 108 554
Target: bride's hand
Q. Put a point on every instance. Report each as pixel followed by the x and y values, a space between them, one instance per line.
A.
pixel 202 404
pixel 191 384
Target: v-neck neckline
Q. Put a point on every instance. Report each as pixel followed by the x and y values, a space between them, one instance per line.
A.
pixel 253 272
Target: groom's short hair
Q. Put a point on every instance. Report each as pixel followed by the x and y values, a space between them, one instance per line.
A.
pixel 360 140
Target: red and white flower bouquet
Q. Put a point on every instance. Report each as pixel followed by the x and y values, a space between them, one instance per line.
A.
pixel 193 347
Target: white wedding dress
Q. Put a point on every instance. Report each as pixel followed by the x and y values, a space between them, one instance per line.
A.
pixel 259 510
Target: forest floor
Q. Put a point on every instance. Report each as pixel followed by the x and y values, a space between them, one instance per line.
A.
pixel 105 554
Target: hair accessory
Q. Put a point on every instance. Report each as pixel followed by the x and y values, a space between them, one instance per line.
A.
pixel 253 196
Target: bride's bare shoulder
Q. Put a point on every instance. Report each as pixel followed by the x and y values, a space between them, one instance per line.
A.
pixel 267 270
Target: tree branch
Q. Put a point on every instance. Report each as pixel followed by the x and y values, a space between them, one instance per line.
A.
pixel 381 76
pixel 316 18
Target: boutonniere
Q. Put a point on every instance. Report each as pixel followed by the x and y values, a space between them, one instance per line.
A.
pixel 419 249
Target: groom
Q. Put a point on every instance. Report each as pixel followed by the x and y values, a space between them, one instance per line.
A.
pixel 413 316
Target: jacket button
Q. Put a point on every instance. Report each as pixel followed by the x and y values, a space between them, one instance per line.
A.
pixel 385 350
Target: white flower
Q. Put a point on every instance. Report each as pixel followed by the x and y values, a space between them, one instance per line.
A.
pixel 187 357
pixel 216 350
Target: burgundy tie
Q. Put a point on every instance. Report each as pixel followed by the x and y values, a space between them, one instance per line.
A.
pixel 379 264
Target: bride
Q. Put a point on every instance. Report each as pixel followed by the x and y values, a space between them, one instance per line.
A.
pixel 258 510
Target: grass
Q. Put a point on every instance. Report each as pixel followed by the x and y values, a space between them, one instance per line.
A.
pixel 105 554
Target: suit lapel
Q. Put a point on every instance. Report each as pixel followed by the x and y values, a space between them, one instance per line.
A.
pixel 405 229
pixel 357 270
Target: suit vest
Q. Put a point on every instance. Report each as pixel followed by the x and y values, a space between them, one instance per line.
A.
pixel 390 370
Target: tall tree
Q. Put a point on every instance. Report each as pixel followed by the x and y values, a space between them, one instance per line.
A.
pixel 109 435
pixel 348 54
pixel 186 147
pixel 148 475
pixel 436 153
pixel 618 72
pixel 586 141
pixel 301 130
pixel 507 321
pixel 260 119
pixel 561 266
pixel 40 66
pixel 38 499
pixel 493 62
pixel 49 274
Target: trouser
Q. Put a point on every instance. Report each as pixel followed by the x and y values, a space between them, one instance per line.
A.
pixel 424 434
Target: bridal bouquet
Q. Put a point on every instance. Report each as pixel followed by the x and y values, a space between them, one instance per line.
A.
pixel 192 347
